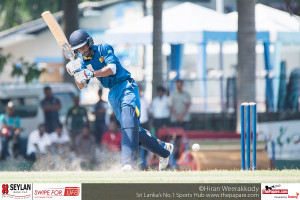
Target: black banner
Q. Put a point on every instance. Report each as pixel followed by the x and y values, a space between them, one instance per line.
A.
pixel 189 191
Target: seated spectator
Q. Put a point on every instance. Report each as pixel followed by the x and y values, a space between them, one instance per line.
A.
pixel 60 141
pixel 39 142
pixel 10 126
pixel 85 147
pixel 111 140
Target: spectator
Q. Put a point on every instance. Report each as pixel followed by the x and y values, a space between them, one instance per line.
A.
pixel 85 147
pixel 60 149
pixel 113 118
pixel 60 141
pixel 160 108
pixel 99 110
pixel 79 119
pixel 111 140
pixel 39 142
pixel 180 102
pixel 51 106
pixel 10 131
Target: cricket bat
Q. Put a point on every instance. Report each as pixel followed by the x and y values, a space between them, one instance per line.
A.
pixel 59 35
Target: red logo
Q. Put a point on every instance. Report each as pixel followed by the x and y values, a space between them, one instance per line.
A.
pixel 294 197
pixel 72 191
pixel 275 191
pixel 4 188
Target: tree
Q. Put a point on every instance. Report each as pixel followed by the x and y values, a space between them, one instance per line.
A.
pixel 246 87
pixel 36 7
pixel 157 45
pixel 26 69
pixel 3 59
pixel 70 22
pixel 11 14
pixel 15 12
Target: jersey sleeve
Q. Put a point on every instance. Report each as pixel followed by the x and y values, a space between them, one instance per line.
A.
pixel 2 118
pixel 188 98
pixel 108 54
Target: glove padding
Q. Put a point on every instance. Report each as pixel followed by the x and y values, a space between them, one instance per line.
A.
pixel 74 66
pixel 83 75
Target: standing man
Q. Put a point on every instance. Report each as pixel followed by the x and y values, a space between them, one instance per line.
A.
pixel 99 110
pixel 51 106
pixel 100 61
pixel 160 108
pixel 79 119
pixel 180 102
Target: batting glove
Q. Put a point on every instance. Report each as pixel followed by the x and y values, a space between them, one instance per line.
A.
pixel 74 66
pixel 83 75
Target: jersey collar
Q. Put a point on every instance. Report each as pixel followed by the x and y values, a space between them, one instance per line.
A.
pixel 87 58
pixel 90 58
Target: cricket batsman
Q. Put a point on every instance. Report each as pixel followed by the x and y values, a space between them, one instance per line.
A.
pixel 99 61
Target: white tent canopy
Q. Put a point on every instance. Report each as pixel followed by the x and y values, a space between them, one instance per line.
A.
pixel 187 21
pixel 272 20
pixel 181 24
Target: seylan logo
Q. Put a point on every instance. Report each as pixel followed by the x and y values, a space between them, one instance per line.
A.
pixel 4 188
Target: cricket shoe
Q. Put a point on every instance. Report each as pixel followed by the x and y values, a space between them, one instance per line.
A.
pixel 163 162
pixel 127 168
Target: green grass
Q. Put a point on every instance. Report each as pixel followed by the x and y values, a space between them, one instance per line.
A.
pixel 214 176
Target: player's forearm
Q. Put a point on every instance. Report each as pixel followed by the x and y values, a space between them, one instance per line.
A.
pixel 105 71
pixel 48 108
pixel 56 107
pixel 100 110
pixel 52 107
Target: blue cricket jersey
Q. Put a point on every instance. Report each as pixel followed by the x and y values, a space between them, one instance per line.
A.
pixel 103 55
pixel 123 89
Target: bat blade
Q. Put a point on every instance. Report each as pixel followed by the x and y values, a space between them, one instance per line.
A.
pixel 59 35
